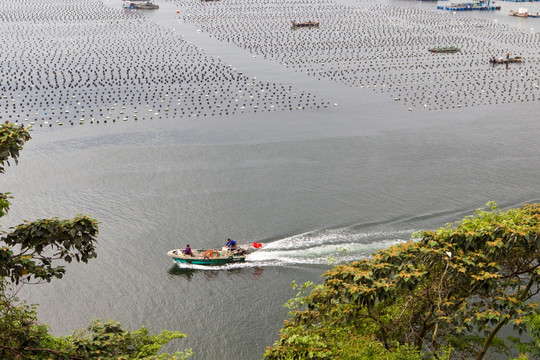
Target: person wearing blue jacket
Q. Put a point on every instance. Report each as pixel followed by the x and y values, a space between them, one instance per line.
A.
pixel 231 244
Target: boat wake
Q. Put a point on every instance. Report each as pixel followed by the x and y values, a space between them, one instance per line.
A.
pixel 320 247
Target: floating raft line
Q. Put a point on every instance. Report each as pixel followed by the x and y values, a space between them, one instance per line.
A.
pixel 467 7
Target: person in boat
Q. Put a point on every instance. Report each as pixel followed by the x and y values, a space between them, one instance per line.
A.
pixel 231 244
pixel 508 55
pixel 188 251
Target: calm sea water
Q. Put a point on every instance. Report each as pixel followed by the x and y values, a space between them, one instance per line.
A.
pixel 359 176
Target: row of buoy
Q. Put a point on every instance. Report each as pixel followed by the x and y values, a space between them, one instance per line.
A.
pixel 373 47
pixel 85 63
pixel 381 48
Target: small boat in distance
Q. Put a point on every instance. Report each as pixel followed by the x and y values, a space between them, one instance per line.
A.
pixel 213 256
pixel 140 4
pixel 516 59
pixel 445 49
pixel 297 24
pixel 522 12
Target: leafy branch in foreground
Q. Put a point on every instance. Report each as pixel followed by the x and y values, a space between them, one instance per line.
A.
pixel 41 242
pixel 30 252
pixel 23 337
pixel 446 295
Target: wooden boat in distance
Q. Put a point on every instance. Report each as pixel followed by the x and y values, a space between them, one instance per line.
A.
pixel 297 24
pixel 445 49
pixel 140 4
pixel 522 12
pixel 147 6
pixel 516 59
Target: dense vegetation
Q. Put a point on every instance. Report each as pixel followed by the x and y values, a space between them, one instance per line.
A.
pixel 30 253
pixel 446 295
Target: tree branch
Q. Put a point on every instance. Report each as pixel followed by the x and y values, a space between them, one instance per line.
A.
pixel 54 352
pixel 503 321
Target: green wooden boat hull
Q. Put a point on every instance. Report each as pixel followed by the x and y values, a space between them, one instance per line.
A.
pixel 213 257
pixel 211 261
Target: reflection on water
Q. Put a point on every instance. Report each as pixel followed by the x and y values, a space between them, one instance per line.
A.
pixel 257 273
pixel 211 273
pixel 187 272
pixel 184 272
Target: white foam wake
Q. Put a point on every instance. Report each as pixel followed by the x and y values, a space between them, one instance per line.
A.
pixel 318 247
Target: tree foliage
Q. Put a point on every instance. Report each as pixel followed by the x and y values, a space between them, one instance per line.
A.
pixel 33 247
pixel 23 337
pixel 30 253
pixel 12 139
pixel 447 294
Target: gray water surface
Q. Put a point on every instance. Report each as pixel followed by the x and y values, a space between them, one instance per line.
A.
pixel 358 175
